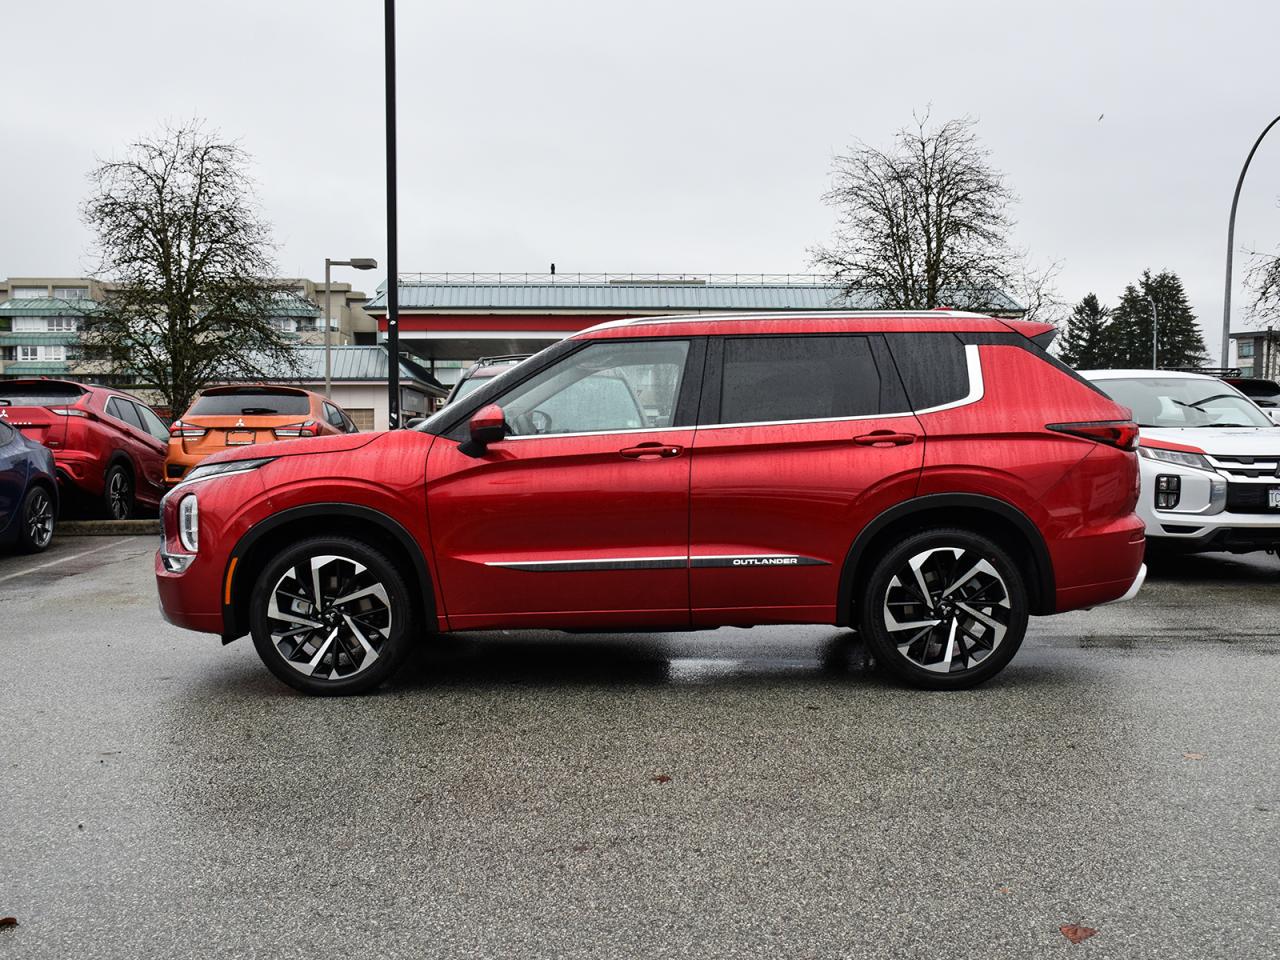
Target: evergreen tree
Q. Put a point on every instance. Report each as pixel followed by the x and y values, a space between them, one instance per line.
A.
pixel 1129 333
pixel 1084 343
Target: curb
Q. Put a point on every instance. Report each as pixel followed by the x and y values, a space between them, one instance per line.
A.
pixel 108 528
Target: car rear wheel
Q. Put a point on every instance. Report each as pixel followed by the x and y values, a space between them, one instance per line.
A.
pixel 37 519
pixel 117 493
pixel 331 616
pixel 944 609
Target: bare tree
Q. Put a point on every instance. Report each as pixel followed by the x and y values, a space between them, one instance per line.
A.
pixel 1263 277
pixel 925 223
pixel 178 232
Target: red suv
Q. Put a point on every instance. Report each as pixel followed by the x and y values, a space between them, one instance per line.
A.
pixel 931 479
pixel 107 446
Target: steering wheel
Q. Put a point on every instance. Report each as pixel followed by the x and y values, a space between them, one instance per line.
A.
pixel 540 420
pixel 531 423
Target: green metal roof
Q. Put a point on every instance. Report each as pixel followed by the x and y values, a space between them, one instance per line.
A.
pixel 352 364
pixel 31 368
pixel 46 307
pixel 54 339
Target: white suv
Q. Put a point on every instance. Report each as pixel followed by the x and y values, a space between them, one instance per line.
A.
pixel 1210 460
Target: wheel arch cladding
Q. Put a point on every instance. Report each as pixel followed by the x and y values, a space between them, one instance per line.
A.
pixel 264 540
pixel 1000 521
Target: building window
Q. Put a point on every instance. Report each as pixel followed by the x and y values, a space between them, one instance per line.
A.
pixel 63 324
pixel 45 324
pixel 28 293
pixel 71 293
pixel 1244 348
pixel 32 354
pixel 284 324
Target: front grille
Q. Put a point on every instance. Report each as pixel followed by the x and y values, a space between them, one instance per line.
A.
pixel 1250 498
pixel 1249 468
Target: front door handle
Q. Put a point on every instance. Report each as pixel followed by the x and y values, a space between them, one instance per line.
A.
pixel 651 451
pixel 885 438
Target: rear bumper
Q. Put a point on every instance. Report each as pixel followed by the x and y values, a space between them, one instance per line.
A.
pixel 79 469
pixel 1101 567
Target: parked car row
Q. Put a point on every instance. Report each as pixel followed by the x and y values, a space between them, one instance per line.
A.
pixel 115 454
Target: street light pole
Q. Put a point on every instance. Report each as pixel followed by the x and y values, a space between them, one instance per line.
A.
pixel 1231 242
pixel 328 333
pixel 359 263
pixel 1155 335
pixel 393 258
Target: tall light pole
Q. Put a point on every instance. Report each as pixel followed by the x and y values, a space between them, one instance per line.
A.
pixel 360 263
pixel 1155 335
pixel 393 257
pixel 1231 242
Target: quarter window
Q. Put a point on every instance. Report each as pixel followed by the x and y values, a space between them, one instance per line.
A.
pixel 603 387
pixel 772 379
pixel 933 366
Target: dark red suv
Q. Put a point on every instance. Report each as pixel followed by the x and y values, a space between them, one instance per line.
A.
pixel 930 479
pixel 109 447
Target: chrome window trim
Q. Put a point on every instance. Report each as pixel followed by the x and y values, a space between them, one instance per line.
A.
pixel 595 433
pixel 977 390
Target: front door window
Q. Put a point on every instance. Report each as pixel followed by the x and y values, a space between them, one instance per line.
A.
pixel 603 388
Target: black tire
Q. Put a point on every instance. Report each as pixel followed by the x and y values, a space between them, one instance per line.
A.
pixel 352 629
pixel 36 520
pixel 967 605
pixel 118 493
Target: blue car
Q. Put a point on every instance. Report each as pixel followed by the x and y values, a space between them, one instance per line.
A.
pixel 28 491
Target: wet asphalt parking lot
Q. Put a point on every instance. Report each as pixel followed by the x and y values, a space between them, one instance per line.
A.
pixel 741 793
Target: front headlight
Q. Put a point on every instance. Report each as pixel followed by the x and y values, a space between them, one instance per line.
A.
pixel 1180 457
pixel 189 523
pixel 225 468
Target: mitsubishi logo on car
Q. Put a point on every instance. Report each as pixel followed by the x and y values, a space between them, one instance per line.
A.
pixel 4 414
pixel 240 422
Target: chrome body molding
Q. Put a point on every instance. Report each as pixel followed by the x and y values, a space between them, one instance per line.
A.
pixel 660 563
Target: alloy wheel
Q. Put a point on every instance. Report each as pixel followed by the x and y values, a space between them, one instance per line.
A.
pixel 947 610
pixel 39 519
pixel 329 617
pixel 119 495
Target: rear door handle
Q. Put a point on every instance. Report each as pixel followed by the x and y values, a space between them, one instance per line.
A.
pixel 651 451
pixel 885 438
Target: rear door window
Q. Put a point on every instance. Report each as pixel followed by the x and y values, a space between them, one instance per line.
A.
pixel 250 403
pixel 151 423
pixel 789 378
pixel 124 411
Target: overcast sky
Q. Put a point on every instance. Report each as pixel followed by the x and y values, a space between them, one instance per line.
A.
pixel 691 136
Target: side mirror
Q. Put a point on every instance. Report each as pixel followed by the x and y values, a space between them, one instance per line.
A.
pixel 412 422
pixel 488 425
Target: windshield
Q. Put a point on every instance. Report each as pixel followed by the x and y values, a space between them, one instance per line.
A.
pixel 1267 389
pixel 250 402
pixel 469 385
pixel 1179 402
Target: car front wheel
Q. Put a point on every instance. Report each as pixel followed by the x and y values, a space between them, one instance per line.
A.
pixel 331 616
pixel 944 609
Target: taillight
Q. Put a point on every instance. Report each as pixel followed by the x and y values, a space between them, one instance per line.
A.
pixel 186 430
pixel 308 428
pixel 1121 434
pixel 68 411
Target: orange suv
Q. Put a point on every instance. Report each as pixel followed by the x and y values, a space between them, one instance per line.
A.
pixel 222 418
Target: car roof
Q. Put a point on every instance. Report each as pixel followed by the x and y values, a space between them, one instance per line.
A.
pixel 834 321
pixel 95 388
pixel 1143 375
